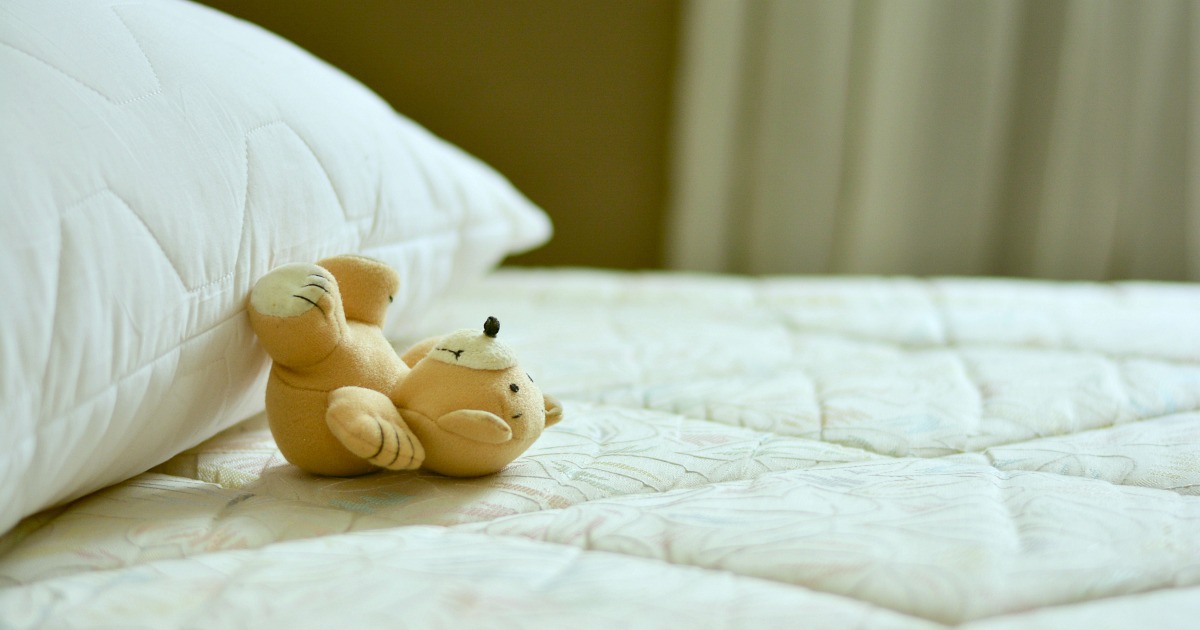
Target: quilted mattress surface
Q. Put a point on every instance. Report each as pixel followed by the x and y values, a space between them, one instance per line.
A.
pixel 788 452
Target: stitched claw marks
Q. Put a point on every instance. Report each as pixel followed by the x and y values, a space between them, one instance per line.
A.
pixel 368 425
pixel 292 290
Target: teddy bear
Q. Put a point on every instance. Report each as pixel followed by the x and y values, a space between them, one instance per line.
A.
pixel 341 402
pixel 467 400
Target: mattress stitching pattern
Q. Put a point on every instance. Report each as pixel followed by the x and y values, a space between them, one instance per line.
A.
pixel 589 405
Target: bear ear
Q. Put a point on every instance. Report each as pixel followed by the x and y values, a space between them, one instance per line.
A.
pixel 477 425
pixel 413 355
pixel 554 409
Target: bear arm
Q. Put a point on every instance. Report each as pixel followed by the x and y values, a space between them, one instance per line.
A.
pixel 477 425
pixel 554 409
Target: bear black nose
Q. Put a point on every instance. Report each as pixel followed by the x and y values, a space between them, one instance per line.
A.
pixel 491 327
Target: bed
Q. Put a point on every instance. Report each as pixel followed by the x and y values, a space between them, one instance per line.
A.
pixel 735 452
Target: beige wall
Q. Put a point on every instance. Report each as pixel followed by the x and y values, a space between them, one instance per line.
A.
pixel 570 100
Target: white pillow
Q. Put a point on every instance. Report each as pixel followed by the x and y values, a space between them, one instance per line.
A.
pixel 156 158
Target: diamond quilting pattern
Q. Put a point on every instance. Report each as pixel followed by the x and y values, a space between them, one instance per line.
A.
pixel 871 452
pixel 924 477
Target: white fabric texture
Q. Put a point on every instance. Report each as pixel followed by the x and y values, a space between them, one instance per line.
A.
pixel 776 453
pixel 156 158
pixel 997 137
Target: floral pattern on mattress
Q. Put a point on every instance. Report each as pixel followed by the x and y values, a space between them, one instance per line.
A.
pixel 875 453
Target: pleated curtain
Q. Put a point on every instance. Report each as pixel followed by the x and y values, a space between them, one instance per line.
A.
pixel 1040 138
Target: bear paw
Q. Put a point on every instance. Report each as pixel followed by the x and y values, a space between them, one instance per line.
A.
pixel 293 289
pixel 367 424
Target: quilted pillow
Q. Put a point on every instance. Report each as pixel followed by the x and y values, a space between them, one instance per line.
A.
pixel 156 158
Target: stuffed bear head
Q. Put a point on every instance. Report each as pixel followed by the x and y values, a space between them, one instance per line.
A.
pixel 471 404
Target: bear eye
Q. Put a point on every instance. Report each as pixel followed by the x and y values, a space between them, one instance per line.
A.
pixel 391 299
pixel 514 388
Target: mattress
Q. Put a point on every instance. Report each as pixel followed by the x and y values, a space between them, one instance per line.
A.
pixel 735 452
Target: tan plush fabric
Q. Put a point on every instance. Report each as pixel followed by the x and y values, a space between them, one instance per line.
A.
pixel 460 415
pixel 341 402
pixel 337 341
pixel 368 424
pixel 367 287
pixel 419 350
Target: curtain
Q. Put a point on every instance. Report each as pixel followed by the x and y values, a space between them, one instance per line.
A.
pixel 1040 138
